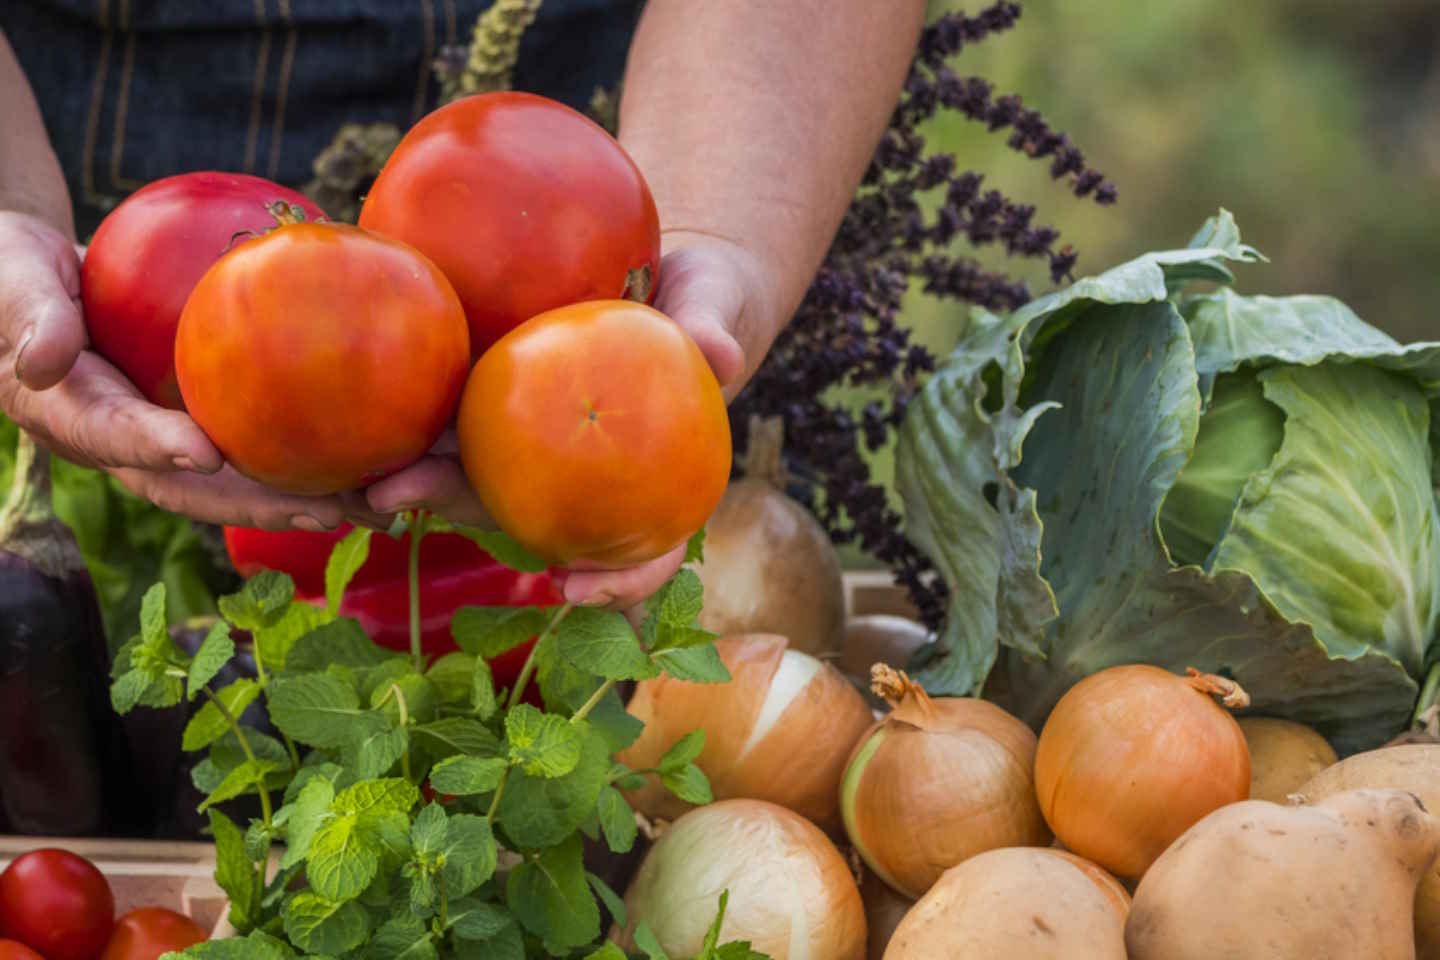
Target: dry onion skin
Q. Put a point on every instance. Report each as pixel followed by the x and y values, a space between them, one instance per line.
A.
pixel 1414 768
pixel 791 892
pixel 1283 756
pixel 936 782
pixel 1030 903
pixel 781 730
pixel 1132 756
pixel 769 566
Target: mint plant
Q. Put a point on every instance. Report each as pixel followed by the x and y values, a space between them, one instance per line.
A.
pixel 408 808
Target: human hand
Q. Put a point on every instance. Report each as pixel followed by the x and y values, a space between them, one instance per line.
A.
pixel 713 289
pixel 82 408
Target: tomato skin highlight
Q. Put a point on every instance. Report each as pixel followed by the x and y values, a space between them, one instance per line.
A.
pixel 320 357
pixel 148 932
pixel 15 950
pixel 148 254
pixel 57 903
pixel 596 432
pixel 526 204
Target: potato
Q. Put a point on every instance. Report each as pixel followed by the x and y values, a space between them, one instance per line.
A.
pixel 1335 879
pixel 1017 902
pixel 1283 755
pixel 1412 767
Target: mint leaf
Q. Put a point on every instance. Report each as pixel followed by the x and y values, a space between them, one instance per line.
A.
pixel 427 833
pixel 341 641
pixel 602 643
pixel 311 807
pixel 482 690
pixel 685 750
pixel 152 616
pixel 342 859
pixel 128 690
pixel 738 950
pixel 209 723
pixel 257 946
pixel 544 744
pixel 452 735
pixel 464 776
pixel 670 637
pixel 470 854
pixel 606 952
pixel 475 920
pixel 502 547
pixel 346 559
pixel 453 676
pixel 563 685
pixel 551 899
pixel 240 780
pixel 422 698
pixel 318 709
pixel 402 938
pixel 215 651
pixel 712 936
pixel 393 795
pixel 274 643
pixel 257 841
pixel 422 890
pixel 379 677
pixel 371 753
pixel 611 720
pixel 329 772
pixel 678 602
pixel 234 873
pixel 617 820
pixel 630 781
pixel 646 941
pixel 695 547
pixel 539 812
pixel 689 784
pixel 317 925
pixel 490 631
pixel 227 752
pixel 261 602
pixel 700 664
pixel 508 944
pixel 609 897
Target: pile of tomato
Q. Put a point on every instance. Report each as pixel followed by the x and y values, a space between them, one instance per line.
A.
pixel 57 905
pixel 499 280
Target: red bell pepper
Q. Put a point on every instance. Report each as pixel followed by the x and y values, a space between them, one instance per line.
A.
pixel 454 572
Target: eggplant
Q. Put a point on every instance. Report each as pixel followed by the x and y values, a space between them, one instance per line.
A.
pixel 64 759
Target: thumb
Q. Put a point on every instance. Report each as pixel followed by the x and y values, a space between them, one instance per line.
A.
pixel 705 323
pixel 40 319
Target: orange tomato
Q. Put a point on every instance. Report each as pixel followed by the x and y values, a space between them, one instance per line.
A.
pixel 596 432
pixel 149 932
pixel 320 357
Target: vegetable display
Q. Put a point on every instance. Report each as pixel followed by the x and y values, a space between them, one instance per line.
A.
pixel 1124 471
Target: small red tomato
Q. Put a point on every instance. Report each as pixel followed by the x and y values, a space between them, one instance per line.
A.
pixel 526 204
pixel 148 254
pixel 15 950
pixel 56 903
pixel 148 932
pixel 320 357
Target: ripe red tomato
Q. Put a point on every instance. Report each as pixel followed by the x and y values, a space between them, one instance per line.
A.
pixel 526 204
pixel 56 903
pixel 596 432
pixel 148 932
pixel 320 357
pixel 15 950
pixel 148 254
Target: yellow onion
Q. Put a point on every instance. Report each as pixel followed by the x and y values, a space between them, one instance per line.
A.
pixel 1134 755
pixel 935 782
pixel 884 909
pixel 769 566
pixel 791 893
pixel 780 730
pixel 1283 756
pixel 1030 903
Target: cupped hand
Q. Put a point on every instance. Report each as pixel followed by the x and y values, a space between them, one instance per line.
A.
pixel 82 408
pixel 713 289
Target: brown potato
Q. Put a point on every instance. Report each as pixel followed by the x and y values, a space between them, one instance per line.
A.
pixel 1283 755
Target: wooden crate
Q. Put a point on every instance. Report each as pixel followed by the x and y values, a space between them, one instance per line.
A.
pixel 875 591
pixel 145 873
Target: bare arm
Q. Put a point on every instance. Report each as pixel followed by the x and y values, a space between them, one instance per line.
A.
pixel 30 178
pixel 753 122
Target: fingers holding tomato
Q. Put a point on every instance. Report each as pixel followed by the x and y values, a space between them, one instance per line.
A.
pixel 58 904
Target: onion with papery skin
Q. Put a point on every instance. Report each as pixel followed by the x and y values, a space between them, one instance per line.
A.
pixel 791 893
pixel 936 782
pixel 780 730
pixel 880 638
pixel 1035 904
pixel 884 909
pixel 769 566
pixel 1283 756
pixel 1134 755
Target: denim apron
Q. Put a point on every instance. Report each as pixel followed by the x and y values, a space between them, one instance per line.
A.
pixel 135 90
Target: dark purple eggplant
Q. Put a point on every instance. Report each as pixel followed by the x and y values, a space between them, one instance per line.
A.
pixel 64 760
pixel 163 769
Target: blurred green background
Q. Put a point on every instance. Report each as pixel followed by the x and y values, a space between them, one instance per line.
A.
pixel 1316 122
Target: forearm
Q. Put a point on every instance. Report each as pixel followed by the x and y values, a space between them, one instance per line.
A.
pixel 754 121
pixel 30 177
